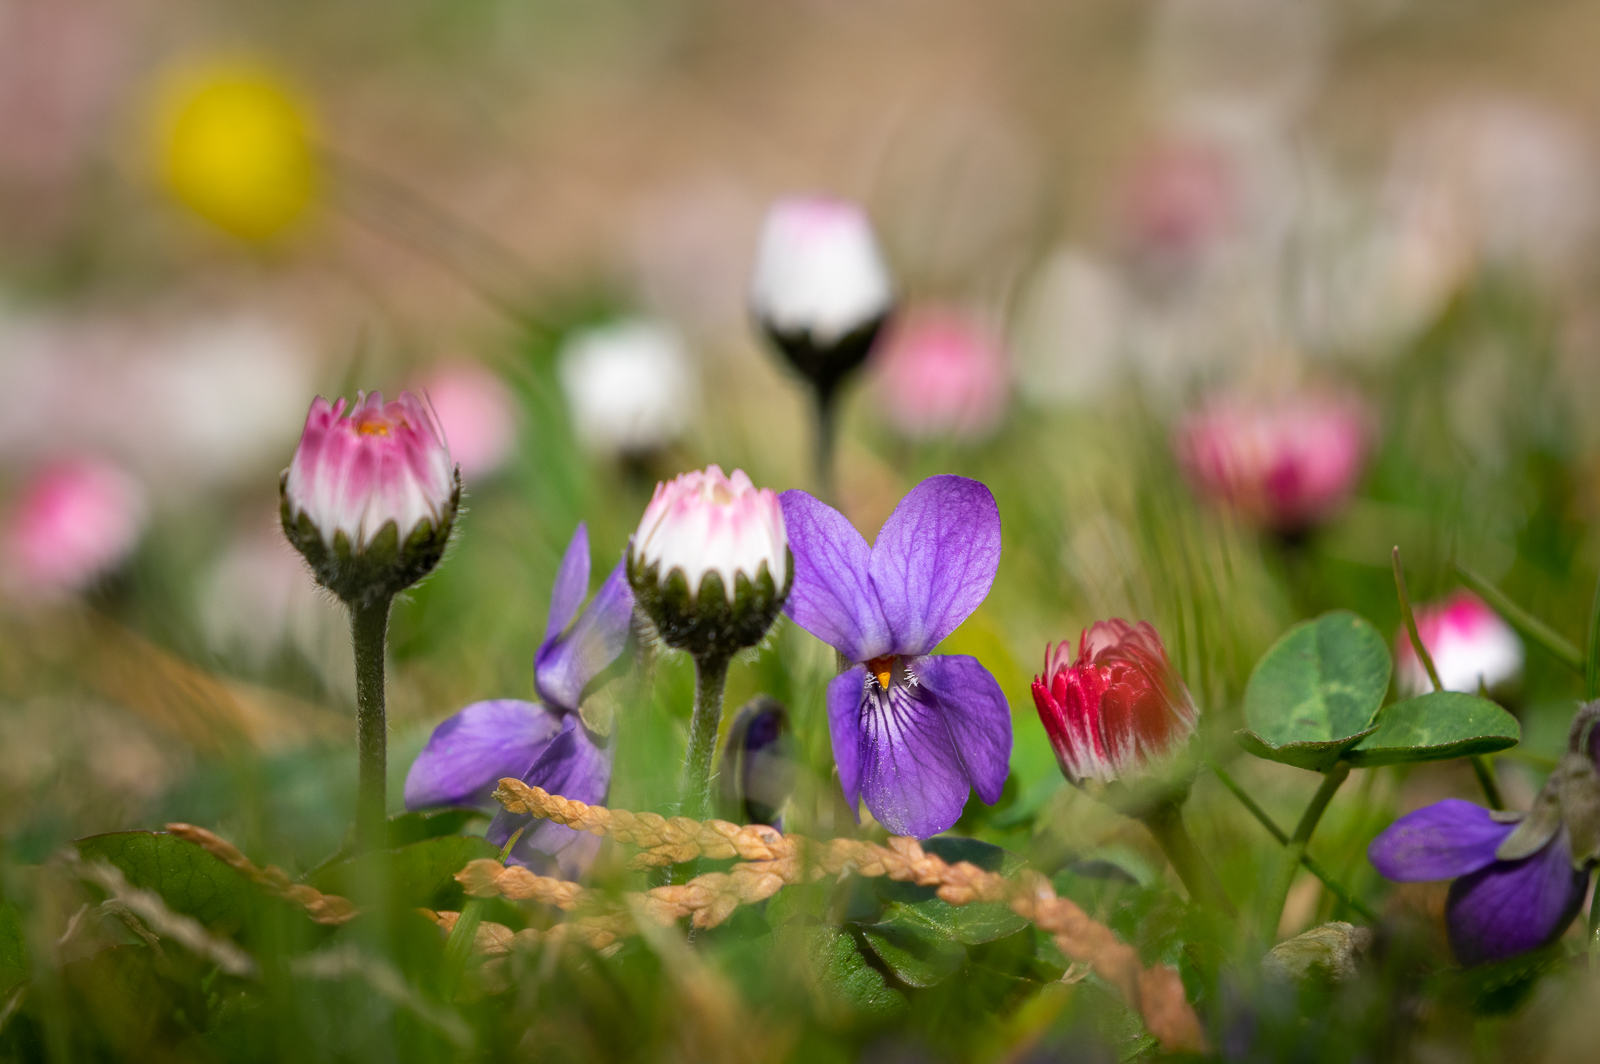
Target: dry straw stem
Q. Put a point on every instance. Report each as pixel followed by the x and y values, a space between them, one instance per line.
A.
pixel 663 840
pixel 495 940
pixel 162 921
pixel 709 899
pixel 323 908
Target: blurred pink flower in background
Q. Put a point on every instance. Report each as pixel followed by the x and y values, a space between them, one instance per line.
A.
pixel 941 372
pixel 74 520
pixel 1469 643
pixel 478 414
pixel 1178 200
pixel 1288 463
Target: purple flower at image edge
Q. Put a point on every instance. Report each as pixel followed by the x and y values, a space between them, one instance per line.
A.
pixel 912 732
pixel 545 744
pixel 1519 878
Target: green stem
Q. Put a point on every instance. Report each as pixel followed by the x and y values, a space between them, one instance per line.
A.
pixel 1591 666
pixel 1480 765
pixel 369 626
pixel 1523 621
pixel 710 677
pixel 1411 623
pixel 1165 822
pixel 1594 932
pixel 826 409
pixel 1295 851
pixel 1484 770
pixel 1312 865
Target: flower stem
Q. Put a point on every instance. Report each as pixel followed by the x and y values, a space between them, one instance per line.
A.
pixel 1165 822
pixel 1312 864
pixel 1591 665
pixel 710 677
pixel 1278 894
pixel 1480 765
pixel 826 408
pixel 1523 621
pixel 369 626
pixel 1411 622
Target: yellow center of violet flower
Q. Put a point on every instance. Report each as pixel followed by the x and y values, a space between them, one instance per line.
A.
pixel 883 669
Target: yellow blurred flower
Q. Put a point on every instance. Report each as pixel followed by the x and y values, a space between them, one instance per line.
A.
pixel 235 147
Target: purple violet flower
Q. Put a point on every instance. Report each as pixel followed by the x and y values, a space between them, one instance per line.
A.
pixel 1519 878
pixel 545 745
pixel 912 732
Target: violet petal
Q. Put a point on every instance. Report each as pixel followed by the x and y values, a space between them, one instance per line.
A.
pixel 470 753
pixel 935 559
pixel 832 595
pixel 572 584
pixel 564 665
pixel 572 766
pixel 912 777
pixel 844 727
pixel 1440 841
pixel 977 714
pixel 1511 907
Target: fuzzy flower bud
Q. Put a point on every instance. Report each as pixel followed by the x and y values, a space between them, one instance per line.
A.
pixel 1117 708
pixel 820 289
pixel 371 495
pixel 1469 645
pixel 710 561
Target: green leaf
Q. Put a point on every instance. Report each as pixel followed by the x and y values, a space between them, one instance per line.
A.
pixel 188 878
pixel 407 828
pixel 421 874
pixel 1315 693
pixel 13 955
pixel 914 956
pixel 842 979
pixel 1436 727
pixel 970 924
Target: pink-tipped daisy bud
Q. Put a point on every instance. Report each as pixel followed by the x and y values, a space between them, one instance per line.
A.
pixel 371 495
pixel 820 289
pixel 1469 644
pixel 710 562
pixel 76 519
pixel 1115 709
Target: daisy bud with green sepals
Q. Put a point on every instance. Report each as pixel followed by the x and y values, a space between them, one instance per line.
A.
pixel 371 495
pixel 710 566
pixel 370 500
pixel 710 562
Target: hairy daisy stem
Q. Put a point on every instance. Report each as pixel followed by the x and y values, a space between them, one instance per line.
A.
pixel 710 678
pixel 369 627
pixel 1294 852
pixel 1165 822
